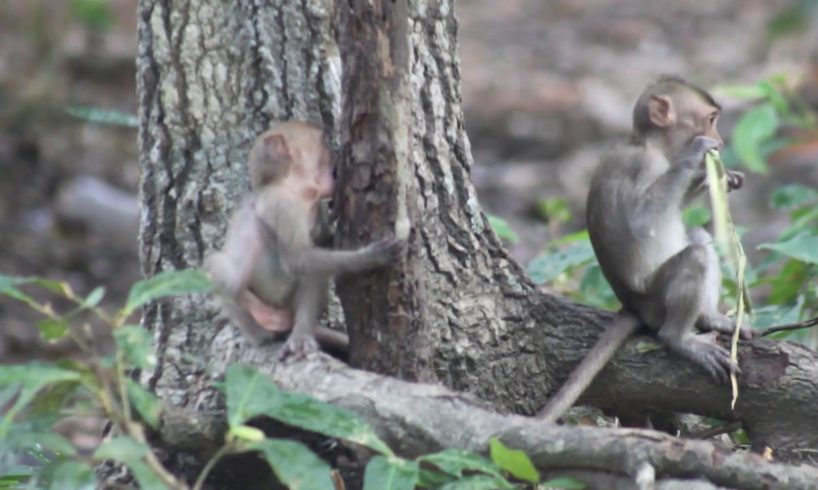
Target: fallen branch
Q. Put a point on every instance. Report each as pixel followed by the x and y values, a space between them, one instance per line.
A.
pixel 419 418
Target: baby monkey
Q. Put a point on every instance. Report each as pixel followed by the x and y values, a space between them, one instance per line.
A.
pixel 270 275
pixel 667 279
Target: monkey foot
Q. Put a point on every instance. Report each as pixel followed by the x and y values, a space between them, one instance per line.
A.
pixel 297 347
pixel 714 358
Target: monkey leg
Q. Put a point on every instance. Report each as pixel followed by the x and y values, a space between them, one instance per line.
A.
pixel 710 318
pixel 309 302
pixel 279 320
pixel 679 286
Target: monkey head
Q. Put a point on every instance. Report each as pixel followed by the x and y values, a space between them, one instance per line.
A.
pixel 676 110
pixel 295 157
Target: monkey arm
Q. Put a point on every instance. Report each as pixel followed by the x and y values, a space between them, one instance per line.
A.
pixel 665 193
pixel 232 267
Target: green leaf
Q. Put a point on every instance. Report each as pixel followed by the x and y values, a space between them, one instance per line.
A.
pixel 25 436
pixel 16 478
pixel 803 247
pixel 577 236
pixel 754 128
pixel 94 14
pixel 247 433
pixel 433 478
pixel 72 475
pixel 390 473
pixel 801 220
pixel 94 298
pixel 145 402
pixel 132 453
pixel 696 216
pixel 792 196
pixel 474 482
pixel 645 346
pixel 565 483
pixel 136 345
pixel 122 448
pixel 741 437
pixel 103 116
pixel 502 228
pixel 9 287
pixel 786 285
pixel 29 378
pixel 514 461
pixel 53 329
pixel 251 393
pixel 295 465
pixel 554 210
pixel 725 232
pixel 770 315
pixel 169 283
pixel 595 290
pixel 546 268
pixel 455 462
pixel 61 288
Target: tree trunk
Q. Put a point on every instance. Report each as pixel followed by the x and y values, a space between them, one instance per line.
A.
pixel 457 310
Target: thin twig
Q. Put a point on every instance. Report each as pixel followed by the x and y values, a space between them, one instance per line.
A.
pixel 790 326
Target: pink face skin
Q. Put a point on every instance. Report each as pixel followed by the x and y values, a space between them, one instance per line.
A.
pixel 313 179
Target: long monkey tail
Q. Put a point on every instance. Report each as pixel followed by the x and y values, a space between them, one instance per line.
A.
pixel 624 325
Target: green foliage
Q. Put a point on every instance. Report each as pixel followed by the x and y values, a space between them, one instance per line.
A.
pixel 39 394
pixel 103 116
pixel 295 465
pixel 93 14
pixel 791 19
pixel 756 127
pixel 568 265
pixel 170 283
pixel 390 473
pixel 514 461
pixel 554 211
pixel 776 104
pixel 502 228
pixel 251 393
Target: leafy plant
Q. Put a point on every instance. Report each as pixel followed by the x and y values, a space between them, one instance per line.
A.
pixel 754 136
pixel 95 15
pixel 38 394
pixel 502 228
pixel 568 265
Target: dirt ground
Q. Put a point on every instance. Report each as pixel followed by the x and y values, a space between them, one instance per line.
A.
pixel 547 86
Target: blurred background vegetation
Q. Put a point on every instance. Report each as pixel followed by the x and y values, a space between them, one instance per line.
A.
pixel 547 87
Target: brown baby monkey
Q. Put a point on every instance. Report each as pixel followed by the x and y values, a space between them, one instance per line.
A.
pixel 270 275
pixel 667 278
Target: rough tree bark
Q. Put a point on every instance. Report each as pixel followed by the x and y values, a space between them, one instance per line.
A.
pixel 459 311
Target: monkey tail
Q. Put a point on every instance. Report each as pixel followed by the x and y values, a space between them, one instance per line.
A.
pixel 624 325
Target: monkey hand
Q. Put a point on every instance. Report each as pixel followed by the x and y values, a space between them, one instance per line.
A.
pixel 385 251
pixel 735 180
pixel 297 347
pixel 692 156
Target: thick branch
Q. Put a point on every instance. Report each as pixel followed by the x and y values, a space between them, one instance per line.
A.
pixel 778 388
pixel 419 418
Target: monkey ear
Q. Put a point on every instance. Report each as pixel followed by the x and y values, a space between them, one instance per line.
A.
pixel 660 110
pixel 275 146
